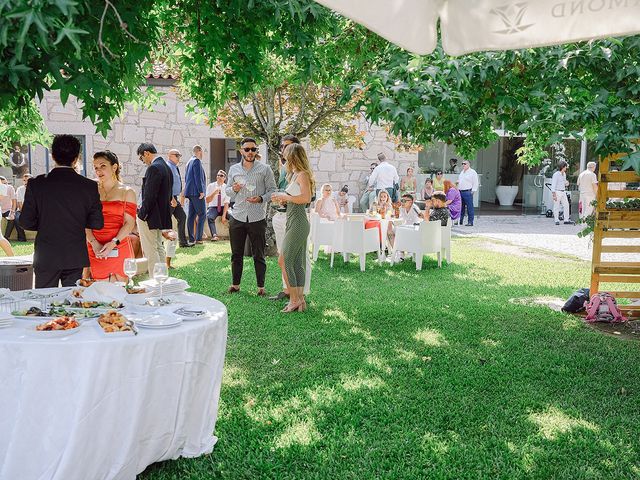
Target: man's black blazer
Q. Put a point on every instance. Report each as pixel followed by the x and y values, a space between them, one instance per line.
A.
pixel 157 183
pixel 59 206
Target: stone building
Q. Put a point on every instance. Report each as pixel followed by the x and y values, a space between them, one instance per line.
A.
pixel 168 125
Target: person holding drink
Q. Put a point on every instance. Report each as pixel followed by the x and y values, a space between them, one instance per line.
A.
pixel 109 246
pixel 253 184
pixel 294 250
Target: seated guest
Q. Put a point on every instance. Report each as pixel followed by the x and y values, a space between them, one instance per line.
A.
pixel 427 190
pixel 109 246
pixel 409 212
pixel 383 205
pixel 454 199
pixel 327 207
pixel 436 209
pixel 438 181
pixel 343 199
pixel 59 206
pixel 217 203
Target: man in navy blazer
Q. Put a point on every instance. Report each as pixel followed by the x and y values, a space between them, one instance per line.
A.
pixel 195 186
pixel 154 211
pixel 60 206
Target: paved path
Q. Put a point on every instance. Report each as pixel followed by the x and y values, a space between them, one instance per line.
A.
pixel 537 231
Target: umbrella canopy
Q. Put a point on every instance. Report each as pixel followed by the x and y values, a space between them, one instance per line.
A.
pixel 476 25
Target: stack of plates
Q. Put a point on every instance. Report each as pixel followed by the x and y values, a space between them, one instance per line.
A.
pixel 6 320
pixel 157 321
pixel 170 287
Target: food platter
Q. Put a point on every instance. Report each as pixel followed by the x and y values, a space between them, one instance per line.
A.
pixel 65 326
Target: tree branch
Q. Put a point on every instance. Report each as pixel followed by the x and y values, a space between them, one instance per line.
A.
pixel 248 121
pixel 255 103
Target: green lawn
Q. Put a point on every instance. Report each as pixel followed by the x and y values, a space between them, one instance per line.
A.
pixel 394 373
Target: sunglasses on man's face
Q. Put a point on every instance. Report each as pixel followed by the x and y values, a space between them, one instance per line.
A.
pixel 254 149
pixel 220 175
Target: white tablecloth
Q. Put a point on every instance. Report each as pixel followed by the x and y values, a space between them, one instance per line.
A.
pixel 92 407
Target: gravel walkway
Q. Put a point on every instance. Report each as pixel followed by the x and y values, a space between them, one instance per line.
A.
pixel 537 231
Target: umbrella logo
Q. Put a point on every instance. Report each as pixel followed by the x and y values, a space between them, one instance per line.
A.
pixel 512 16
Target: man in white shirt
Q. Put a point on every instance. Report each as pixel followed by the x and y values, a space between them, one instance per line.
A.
pixel 217 203
pixel 588 187
pixel 559 184
pixel 16 221
pixel 384 176
pixel 409 212
pixel 467 185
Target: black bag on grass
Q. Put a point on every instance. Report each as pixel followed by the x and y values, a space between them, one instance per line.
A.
pixel 576 301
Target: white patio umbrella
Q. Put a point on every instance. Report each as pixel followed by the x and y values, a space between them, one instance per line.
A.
pixel 476 25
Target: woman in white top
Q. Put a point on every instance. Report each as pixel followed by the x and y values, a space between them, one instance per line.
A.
pixel 217 203
pixel 4 243
pixel 327 207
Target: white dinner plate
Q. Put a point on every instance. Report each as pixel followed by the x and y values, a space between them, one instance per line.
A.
pixel 31 330
pixel 31 317
pixel 157 321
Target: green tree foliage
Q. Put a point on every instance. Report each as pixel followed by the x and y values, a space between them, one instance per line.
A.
pixel 589 89
pixel 94 50
pixel 304 110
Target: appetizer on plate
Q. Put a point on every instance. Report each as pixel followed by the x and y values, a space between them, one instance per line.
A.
pixel 83 304
pixel 77 292
pixel 113 321
pixel 32 312
pixel 85 282
pixel 60 323
pixel 133 290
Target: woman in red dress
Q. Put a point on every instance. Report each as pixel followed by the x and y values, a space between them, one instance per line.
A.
pixel 109 246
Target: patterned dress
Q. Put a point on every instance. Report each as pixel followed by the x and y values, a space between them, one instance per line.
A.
pixel 294 247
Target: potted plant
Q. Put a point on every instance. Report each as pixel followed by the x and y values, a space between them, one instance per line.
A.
pixel 506 191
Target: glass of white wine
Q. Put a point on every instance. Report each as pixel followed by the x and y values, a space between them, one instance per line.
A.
pixel 130 269
pixel 160 275
pixel 250 187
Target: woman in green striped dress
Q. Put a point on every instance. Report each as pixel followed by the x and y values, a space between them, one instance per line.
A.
pixel 297 196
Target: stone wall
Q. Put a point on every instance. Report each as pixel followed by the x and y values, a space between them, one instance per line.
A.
pixel 168 126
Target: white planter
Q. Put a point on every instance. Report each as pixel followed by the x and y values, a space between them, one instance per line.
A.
pixel 506 195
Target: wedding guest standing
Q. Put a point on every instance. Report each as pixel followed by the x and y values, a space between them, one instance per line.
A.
pixel 559 184
pixel 19 202
pixel 279 222
pixel 174 157
pixel 217 203
pixel 294 251
pixel 252 184
pixel 195 185
pixel 4 243
pixel 59 206
pixel 110 245
pixel 154 212
pixel 468 184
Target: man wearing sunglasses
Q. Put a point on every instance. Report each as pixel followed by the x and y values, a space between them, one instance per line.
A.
pixel 251 185
pixel 467 185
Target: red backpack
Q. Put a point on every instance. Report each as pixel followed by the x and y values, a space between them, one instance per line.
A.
pixel 603 308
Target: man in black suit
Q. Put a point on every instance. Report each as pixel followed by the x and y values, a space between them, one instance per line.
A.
pixel 154 214
pixel 59 206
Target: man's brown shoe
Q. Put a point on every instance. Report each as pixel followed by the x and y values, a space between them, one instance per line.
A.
pixel 233 289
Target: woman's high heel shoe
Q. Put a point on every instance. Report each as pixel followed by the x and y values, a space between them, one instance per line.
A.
pixel 295 307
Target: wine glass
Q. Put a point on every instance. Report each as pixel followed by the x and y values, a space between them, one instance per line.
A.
pixel 130 269
pixel 160 274
pixel 250 187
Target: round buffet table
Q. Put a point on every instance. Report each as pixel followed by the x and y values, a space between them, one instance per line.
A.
pixel 90 406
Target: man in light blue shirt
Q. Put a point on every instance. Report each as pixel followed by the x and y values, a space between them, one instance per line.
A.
pixel 174 159
pixel 251 185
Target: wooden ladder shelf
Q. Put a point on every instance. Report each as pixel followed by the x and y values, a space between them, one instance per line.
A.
pixel 619 224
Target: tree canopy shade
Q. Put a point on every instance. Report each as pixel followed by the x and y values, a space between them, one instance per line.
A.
pixel 90 49
pixel 587 89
